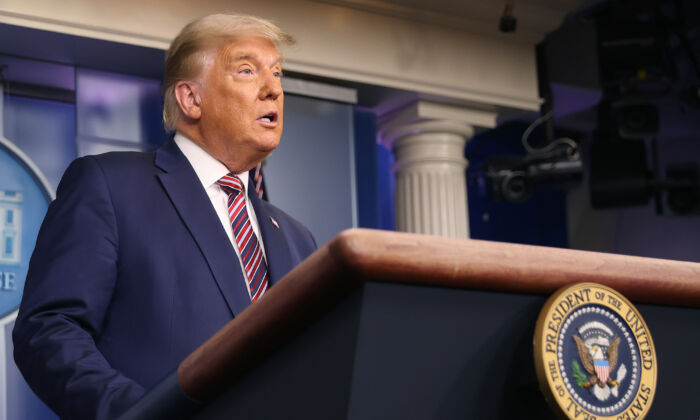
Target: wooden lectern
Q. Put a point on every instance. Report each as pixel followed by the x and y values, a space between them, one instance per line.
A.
pixel 385 325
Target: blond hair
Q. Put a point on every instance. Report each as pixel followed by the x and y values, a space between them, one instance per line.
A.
pixel 187 53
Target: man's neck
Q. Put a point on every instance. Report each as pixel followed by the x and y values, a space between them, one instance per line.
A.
pixel 235 162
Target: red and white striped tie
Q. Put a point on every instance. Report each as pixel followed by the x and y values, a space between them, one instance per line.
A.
pixel 248 245
pixel 257 179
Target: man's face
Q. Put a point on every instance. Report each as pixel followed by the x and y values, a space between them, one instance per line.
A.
pixel 242 103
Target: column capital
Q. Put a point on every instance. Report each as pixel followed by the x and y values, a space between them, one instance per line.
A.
pixel 431 117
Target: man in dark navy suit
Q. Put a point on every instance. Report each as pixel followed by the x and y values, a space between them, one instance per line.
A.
pixel 143 256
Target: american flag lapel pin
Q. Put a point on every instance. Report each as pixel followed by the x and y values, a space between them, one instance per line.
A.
pixel 274 222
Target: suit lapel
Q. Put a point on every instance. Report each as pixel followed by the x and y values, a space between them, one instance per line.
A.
pixel 279 261
pixel 194 207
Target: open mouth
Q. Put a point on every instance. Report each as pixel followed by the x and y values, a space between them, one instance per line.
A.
pixel 270 117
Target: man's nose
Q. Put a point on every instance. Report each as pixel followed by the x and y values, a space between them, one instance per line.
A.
pixel 271 87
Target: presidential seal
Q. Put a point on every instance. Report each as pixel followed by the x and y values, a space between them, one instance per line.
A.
pixel 594 355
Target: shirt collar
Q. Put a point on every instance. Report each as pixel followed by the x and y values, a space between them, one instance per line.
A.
pixel 208 169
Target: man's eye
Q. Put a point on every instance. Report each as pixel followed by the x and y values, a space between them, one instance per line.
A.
pixel 246 71
pixel 277 74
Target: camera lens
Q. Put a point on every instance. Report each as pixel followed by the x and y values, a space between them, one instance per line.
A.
pixel 515 186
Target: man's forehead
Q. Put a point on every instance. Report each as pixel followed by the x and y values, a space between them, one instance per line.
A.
pixel 252 55
pixel 251 49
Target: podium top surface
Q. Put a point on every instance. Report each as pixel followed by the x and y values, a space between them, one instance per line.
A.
pixel 485 265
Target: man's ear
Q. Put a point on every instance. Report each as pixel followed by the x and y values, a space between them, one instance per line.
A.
pixel 188 98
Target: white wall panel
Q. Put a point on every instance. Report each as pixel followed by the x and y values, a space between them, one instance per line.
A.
pixel 334 41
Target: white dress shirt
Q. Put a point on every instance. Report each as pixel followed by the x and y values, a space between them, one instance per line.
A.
pixel 209 171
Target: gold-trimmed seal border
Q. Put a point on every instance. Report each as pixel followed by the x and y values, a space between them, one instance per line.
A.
pixel 549 376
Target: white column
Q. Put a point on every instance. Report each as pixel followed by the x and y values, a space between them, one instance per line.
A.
pixel 428 142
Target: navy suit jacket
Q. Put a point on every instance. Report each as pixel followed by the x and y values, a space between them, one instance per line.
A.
pixel 131 272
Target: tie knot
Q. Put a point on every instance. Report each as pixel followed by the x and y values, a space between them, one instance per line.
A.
pixel 230 184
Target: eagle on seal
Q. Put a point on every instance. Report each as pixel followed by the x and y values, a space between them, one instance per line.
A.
pixel 596 364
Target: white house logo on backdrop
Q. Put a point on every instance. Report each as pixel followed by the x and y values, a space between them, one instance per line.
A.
pixel 10 236
pixel 24 199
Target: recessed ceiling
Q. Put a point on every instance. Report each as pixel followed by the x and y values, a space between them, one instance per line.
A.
pixel 535 17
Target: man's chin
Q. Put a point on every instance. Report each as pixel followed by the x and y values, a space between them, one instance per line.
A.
pixel 264 154
pixel 261 153
pixel 268 146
